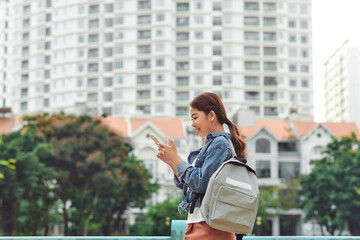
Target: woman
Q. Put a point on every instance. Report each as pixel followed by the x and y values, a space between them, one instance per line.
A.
pixel 208 116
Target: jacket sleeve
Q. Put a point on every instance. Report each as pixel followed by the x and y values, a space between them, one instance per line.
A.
pixel 197 178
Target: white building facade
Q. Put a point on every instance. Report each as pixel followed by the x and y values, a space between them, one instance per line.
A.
pixel 342 85
pixel 152 56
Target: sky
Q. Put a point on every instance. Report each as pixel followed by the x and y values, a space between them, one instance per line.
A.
pixel 334 22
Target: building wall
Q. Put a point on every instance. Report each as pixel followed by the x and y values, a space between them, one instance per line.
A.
pixel 342 84
pixel 152 57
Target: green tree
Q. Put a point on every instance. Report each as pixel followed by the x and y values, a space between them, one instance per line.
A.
pixel 75 164
pixel 97 179
pixel 158 219
pixel 327 193
pixel 273 200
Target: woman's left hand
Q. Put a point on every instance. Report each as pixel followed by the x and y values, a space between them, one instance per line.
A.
pixel 169 154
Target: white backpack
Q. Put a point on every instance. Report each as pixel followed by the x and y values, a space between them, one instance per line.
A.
pixel 231 199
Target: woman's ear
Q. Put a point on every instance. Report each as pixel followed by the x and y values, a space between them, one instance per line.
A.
pixel 212 116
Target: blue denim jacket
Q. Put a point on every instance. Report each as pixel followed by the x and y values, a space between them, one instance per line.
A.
pixel 193 180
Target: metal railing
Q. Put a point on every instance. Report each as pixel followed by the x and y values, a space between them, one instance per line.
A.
pixel 178 229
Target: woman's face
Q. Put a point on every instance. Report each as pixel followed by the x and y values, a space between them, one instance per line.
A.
pixel 200 121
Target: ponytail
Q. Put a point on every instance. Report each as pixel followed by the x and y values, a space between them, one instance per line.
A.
pixel 236 139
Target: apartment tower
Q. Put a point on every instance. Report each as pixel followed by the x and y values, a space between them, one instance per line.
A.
pixel 151 57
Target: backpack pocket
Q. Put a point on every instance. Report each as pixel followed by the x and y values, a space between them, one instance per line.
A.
pixel 234 208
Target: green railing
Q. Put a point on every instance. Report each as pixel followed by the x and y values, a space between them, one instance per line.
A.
pixel 178 228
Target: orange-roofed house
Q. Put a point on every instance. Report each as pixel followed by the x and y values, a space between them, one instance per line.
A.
pixel 283 149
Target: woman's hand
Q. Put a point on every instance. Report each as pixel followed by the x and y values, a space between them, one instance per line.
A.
pixel 169 155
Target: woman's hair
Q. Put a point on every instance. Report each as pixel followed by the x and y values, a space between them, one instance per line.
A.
pixel 207 102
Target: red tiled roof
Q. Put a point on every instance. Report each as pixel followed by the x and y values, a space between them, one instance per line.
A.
pixel 171 127
pixel 340 129
pixel 280 128
pixel 117 124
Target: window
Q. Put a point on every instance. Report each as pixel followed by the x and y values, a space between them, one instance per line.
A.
pixel 92 82
pixel 269 7
pixel 23 106
pixel 251 6
pixel 107 96
pixel 270 111
pixel 252 81
pixel 109 8
pixel 93 9
pixel 25 36
pixel 26 9
pixel 252 96
pixel 270 96
pixel 182 7
pixel 292 24
pixel 199 50
pixel 292 68
pixel 304 54
pixel 108 52
pixel 199 80
pixel 262 145
pixel 217 51
pixel 93 24
pixel 23 92
pixel 251 51
pixel 143 94
pixel 250 65
pixel 182 21
pixel 270 81
pixel 182 36
pixel 292 83
pixel 144 49
pixel 217 81
pixel 182 111
pixel 159 93
pixel 93 38
pixel 289 170
pixel 25 64
pixel 199 35
pixel 217 21
pixel 269 51
pixel 182 66
pixel 182 81
pixel 108 82
pixel 160 62
pixel 251 21
pixel 159 108
pixel 92 97
pixel 304 83
pixel 109 22
pixel 93 53
pixel 270 66
pixel 182 96
pixel 304 39
pixel 269 36
pixel 255 109
pixel 108 37
pixel 217 65
pixel 160 17
pixel 217 6
pixel 304 24
pixel 217 36
pixel 143 64
pixel 119 20
pixel 143 79
pixel 26 23
pixel 93 67
pixel 263 169
pixel 293 52
pixel 46 102
pixel 199 20
pixel 182 51
pixel 144 4
pixel 251 36
pixel 304 68
pixel 269 21
pixel 144 19
pixel 118 64
pixel 305 97
pixel 144 34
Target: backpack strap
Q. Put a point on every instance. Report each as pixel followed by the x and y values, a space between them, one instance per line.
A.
pixel 193 203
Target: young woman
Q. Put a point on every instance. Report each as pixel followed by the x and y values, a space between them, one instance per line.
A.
pixel 208 117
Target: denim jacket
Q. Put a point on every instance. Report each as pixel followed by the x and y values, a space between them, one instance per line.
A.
pixel 193 180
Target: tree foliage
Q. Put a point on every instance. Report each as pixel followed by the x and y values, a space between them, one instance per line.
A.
pixel 328 193
pixel 158 219
pixel 69 167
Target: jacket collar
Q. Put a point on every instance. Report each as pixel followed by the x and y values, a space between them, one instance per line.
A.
pixel 216 134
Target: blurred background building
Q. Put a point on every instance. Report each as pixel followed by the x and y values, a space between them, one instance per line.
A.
pixel 152 56
pixel 342 85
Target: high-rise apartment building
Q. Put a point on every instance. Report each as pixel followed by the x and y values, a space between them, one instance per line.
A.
pixel 3 49
pixel 342 85
pixel 126 57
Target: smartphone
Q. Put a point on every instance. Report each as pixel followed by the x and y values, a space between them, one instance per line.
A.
pixel 154 139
